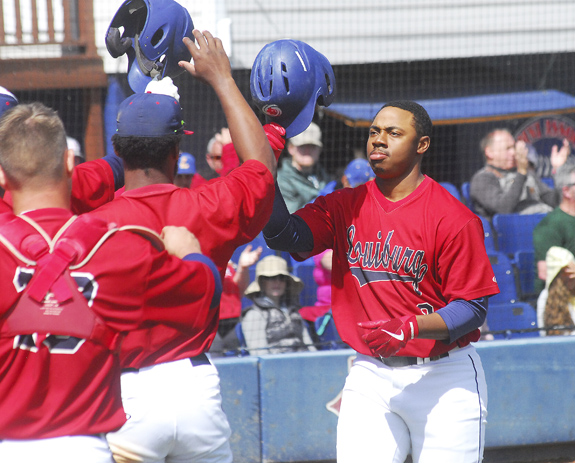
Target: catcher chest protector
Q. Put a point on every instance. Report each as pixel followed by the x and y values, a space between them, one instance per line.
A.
pixel 51 302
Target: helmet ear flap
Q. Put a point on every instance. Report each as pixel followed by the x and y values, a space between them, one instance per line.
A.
pixel 115 44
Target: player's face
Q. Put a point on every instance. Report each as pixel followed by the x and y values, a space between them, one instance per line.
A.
pixel 501 151
pixel 393 147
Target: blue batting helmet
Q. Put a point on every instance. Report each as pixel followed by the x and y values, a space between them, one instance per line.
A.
pixel 7 100
pixel 152 38
pixel 288 79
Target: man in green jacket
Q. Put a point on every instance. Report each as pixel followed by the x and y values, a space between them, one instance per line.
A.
pixel 300 177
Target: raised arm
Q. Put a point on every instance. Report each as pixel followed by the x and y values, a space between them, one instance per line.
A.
pixel 212 66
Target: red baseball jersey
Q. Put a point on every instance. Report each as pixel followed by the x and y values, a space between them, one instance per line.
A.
pixel 392 259
pixel 54 386
pixel 223 215
pixel 92 186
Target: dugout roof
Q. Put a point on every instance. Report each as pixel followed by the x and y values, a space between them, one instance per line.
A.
pixel 470 109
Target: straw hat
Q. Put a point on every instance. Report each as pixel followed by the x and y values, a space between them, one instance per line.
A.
pixel 271 266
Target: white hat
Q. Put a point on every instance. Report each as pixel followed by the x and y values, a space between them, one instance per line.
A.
pixel 271 266
pixel 74 145
pixel 310 136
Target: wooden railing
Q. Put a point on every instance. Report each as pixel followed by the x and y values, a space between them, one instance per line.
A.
pixel 70 24
pixel 50 45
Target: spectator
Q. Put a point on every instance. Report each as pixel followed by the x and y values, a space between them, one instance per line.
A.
pixel 236 280
pixel 219 160
pixel 273 325
pixel 300 177
pixel 74 145
pixel 507 184
pixel 554 243
pixel 186 170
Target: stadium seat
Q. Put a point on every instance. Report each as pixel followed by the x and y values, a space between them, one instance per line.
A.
pixel 510 317
pixel 505 275
pixel 524 261
pixel 304 270
pixel 451 188
pixel 242 340
pixel 549 181
pixel 515 231
pixel 327 333
pixel 466 195
pixel 490 245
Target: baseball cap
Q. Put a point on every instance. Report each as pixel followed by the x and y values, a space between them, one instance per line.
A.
pixel 150 115
pixel 186 164
pixel 310 136
pixel 358 172
pixel 74 145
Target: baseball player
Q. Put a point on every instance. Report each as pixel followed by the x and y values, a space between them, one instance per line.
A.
pixel 63 311
pixel 410 281
pixel 93 183
pixel 170 389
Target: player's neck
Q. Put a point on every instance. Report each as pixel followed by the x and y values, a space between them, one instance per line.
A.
pixel 58 196
pixel 396 189
pixel 144 177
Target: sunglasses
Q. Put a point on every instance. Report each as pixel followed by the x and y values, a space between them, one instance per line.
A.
pixel 215 157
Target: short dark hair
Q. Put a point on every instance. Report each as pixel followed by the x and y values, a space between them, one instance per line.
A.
pixel 145 152
pixel 421 120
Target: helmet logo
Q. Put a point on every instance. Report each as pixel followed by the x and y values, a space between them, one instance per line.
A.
pixel 272 110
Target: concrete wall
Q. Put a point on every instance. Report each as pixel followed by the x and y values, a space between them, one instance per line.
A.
pixel 279 405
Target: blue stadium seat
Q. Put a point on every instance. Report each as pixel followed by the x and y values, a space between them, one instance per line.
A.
pixel 549 181
pixel 524 261
pixel 304 270
pixel 490 245
pixel 327 333
pixel 510 317
pixel 505 275
pixel 241 339
pixel 515 231
pixel 466 195
pixel 451 188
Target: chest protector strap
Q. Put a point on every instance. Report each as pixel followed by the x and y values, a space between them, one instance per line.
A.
pixel 51 302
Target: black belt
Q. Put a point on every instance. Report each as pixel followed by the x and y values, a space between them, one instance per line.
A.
pixel 395 362
pixel 198 360
pixel 201 359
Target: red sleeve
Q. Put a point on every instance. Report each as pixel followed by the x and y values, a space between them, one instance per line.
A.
pixel 179 293
pixel 230 159
pixel 464 267
pixel 197 180
pixel 156 287
pixel 92 186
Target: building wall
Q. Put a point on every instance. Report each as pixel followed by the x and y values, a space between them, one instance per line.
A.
pixel 369 31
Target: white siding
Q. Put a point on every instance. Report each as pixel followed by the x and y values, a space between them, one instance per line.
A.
pixel 364 31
